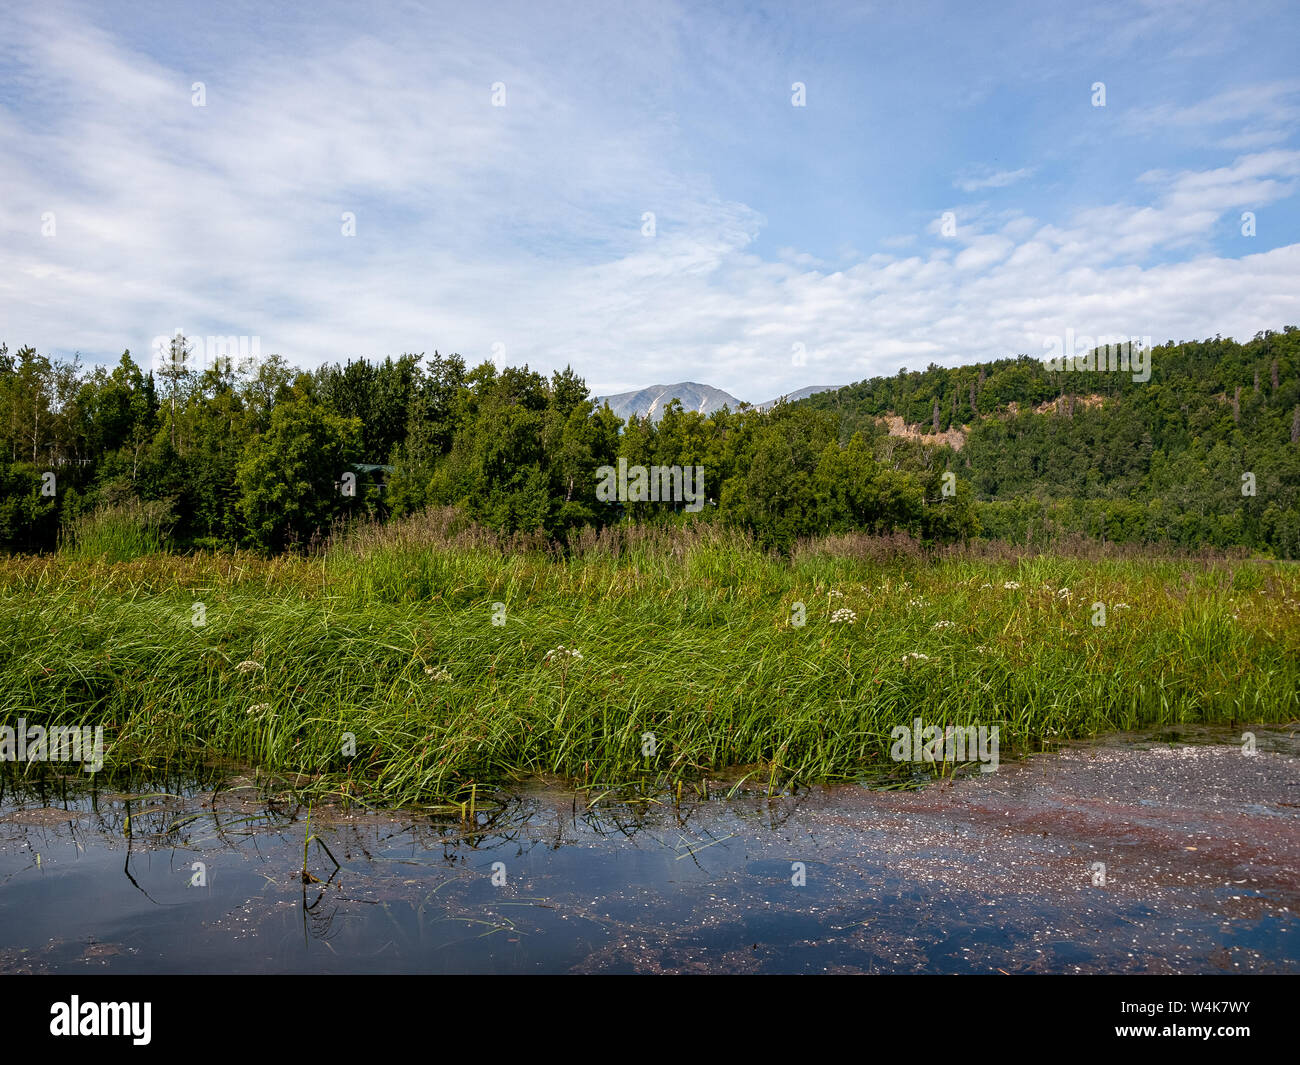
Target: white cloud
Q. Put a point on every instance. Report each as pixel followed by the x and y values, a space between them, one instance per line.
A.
pixel 983 252
pixel 1262 115
pixel 992 180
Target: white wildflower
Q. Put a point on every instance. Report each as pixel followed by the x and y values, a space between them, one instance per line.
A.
pixel 836 595
pixel 561 652
pixel 1011 585
pixel 437 674
pixel 259 708
pixel 843 614
pixel 942 625
pixel 917 655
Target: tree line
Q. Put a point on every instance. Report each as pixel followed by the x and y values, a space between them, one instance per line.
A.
pixel 269 456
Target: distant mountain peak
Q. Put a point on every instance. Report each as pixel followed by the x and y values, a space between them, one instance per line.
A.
pixel 652 400
pixel 705 399
pixel 798 394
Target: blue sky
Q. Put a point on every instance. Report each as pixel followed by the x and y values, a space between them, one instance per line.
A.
pixel 521 225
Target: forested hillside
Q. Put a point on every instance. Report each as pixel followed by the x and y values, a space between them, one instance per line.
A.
pixel 268 456
pixel 1173 459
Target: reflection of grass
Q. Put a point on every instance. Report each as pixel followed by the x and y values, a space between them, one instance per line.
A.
pixel 308 839
pixel 691 639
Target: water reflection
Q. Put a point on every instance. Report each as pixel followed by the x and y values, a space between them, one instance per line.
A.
pixel 217 871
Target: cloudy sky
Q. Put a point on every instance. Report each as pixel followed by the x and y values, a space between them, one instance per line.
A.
pixel 501 162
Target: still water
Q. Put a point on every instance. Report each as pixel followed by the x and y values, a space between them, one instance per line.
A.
pixel 1154 853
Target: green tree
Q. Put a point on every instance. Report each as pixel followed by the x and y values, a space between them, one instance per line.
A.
pixel 290 476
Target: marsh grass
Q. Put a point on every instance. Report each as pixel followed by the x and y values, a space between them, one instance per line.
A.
pixel 120 532
pixel 688 634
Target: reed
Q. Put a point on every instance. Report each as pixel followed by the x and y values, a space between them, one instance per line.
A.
pixel 120 532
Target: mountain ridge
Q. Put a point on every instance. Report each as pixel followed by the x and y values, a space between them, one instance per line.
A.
pixel 705 399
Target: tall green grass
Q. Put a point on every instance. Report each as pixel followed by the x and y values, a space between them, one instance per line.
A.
pixel 689 635
pixel 120 532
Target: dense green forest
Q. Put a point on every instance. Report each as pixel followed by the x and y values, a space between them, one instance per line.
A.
pixel 265 455
pixel 1205 453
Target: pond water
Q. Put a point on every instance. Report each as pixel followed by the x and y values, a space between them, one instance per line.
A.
pixel 1165 853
